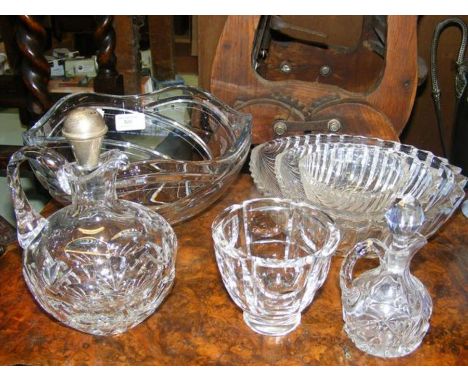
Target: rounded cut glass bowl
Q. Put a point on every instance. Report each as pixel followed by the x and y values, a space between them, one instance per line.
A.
pixel 106 283
pixel 355 179
pixel 190 149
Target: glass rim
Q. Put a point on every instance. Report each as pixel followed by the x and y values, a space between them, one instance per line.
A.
pixel 326 251
pixel 239 145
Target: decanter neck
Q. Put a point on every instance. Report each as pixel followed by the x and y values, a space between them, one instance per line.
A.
pixel 97 185
pixel 398 261
pixel 401 252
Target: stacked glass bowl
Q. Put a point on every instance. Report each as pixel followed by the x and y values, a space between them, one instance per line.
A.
pixel 355 179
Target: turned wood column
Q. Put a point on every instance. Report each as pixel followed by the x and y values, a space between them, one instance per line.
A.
pixel 108 79
pixel 35 71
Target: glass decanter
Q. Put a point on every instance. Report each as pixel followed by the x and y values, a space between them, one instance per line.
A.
pixel 386 310
pixel 100 265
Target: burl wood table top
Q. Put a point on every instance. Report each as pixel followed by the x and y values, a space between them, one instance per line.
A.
pixel 198 324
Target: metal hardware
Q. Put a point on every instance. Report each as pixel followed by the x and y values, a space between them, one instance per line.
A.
pixel 317 126
pixel 262 41
pixel 280 127
pixel 325 70
pixel 85 128
pixel 334 125
pixel 80 67
pixel 285 67
pixel 460 80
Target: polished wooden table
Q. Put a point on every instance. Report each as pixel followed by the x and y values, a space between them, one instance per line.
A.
pixel 198 324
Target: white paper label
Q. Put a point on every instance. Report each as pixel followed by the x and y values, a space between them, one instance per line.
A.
pixel 127 122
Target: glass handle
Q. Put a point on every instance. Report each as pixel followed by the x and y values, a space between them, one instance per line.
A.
pixel 29 222
pixel 360 250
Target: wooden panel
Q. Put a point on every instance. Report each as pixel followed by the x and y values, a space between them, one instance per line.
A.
pixel 194 36
pixel 345 51
pixel 184 61
pixel 209 31
pixel 128 54
pixel 162 45
pixel 339 30
pixel 236 82
pixel 199 324
pixel 355 71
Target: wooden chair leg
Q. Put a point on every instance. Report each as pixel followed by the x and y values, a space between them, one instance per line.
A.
pixel 35 71
pixel 108 79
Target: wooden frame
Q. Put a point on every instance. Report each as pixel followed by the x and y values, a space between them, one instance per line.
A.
pixel 381 111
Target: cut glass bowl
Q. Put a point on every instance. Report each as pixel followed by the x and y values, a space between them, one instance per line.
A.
pixel 190 149
pixel 355 179
pixel 273 255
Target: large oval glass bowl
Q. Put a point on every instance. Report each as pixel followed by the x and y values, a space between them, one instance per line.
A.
pixel 185 146
pixel 355 179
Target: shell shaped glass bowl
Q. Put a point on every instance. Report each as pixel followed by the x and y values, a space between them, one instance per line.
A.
pixel 355 179
pixel 191 148
pixel 273 255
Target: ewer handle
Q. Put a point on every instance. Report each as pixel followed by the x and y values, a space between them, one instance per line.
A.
pixel 29 222
pixel 361 249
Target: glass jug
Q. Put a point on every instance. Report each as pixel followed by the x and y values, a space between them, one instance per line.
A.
pixel 386 310
pixel 99 265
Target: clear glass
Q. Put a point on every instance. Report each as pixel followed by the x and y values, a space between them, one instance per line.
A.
pixel 273 256
pixel 387 310
pixel 191 148
pixel 355 179
pixel 100 265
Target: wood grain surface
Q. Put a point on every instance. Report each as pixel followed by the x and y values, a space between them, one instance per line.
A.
pixel 388 102
pixel 198 324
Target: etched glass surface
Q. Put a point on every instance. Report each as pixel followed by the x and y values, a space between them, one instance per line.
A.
pixel 191 148
pixel 273 255
pixel 100 265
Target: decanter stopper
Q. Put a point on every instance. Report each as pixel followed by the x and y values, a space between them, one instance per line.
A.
pixel 85 128
pixel 405 217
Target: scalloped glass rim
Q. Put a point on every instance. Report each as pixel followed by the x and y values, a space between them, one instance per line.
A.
pixel 264 156
pixel 219 139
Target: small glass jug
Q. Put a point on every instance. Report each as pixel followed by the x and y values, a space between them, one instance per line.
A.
pixel 99 265
pixel 386 310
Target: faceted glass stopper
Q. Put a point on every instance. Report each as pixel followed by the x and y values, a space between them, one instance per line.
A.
pixel 405 217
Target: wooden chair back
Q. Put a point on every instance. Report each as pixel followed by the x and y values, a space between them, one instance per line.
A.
pixel 294 106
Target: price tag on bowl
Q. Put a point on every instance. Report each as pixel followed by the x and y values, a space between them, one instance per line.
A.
pixel 132 121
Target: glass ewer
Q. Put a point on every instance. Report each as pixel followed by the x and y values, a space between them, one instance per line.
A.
pixel 99 265
pixel 386 310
